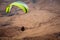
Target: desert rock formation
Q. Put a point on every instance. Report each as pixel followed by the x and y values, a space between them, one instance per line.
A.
pixel 42 22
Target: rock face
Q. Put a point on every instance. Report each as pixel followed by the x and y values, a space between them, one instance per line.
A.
pixel 42 22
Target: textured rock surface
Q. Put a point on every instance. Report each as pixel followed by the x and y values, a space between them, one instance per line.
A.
pixel 42 22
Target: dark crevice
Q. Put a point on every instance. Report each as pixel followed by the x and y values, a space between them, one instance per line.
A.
pixel 5 24
pixel 57 34
pixel 22 28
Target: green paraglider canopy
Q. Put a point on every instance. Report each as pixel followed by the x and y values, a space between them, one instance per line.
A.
pixel 19 4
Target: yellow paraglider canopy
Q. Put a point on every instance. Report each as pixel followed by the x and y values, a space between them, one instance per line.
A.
pixel 19 4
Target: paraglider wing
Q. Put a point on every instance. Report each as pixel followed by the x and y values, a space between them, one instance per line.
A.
pixel 8 8
pixel 19 4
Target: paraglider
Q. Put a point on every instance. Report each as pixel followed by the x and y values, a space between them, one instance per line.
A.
pixel 19 4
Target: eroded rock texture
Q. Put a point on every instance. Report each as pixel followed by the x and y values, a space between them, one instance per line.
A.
pixel 42 22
